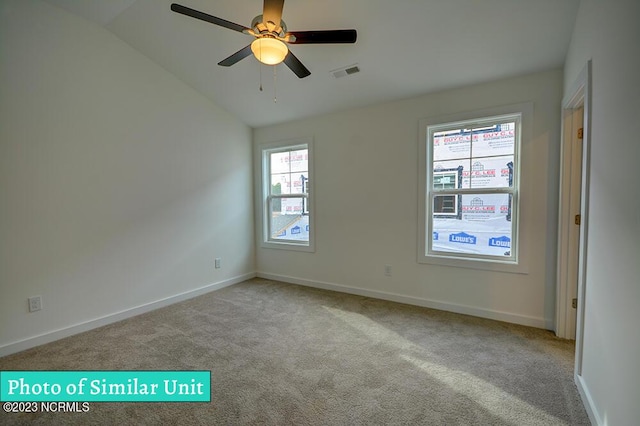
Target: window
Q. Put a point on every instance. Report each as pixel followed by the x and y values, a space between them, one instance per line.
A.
pixel 469 189
pixel 286 195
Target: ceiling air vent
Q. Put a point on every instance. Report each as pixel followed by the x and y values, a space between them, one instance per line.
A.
pixel 345 71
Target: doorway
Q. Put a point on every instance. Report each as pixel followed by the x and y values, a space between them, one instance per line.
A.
pixel 573 213
pixel 570 218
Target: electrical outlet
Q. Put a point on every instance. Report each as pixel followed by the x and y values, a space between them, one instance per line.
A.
pixel 387 270
pixel 35 303
pixel 217 262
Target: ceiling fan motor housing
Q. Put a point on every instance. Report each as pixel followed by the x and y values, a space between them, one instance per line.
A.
pixel 261 27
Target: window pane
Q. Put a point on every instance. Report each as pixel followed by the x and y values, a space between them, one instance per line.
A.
pixel 484 227
pixel 451 144
pixel 288 219
pixel 280 183
pixel 298 160
pixel 487 162
pixel 489 172
pixel 452 168
pixel 299 182
pixel 279 162
pixel 494 140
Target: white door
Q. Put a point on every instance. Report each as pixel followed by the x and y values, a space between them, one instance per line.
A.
pixel 569 220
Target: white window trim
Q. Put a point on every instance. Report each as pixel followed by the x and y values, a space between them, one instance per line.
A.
pixel 522 239
pixel 262 182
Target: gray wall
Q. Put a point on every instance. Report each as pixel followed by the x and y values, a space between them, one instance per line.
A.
pixel 119 185
pixel 607 32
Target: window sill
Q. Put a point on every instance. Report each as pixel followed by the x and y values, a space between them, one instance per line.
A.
pixel 308 248
pixel 485 265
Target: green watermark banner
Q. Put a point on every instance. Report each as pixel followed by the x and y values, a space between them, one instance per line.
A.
pixel 106 386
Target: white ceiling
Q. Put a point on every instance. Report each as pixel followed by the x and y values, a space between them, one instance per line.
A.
pixel 405 48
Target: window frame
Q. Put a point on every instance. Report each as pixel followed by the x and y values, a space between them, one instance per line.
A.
pixel 517 262
pixel 266 197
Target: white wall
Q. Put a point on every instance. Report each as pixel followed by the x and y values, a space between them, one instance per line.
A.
pixel 607 32
pixel 118 183
pixel 366 185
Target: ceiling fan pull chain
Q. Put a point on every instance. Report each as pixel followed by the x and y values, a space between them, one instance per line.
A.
pixel 260 68
pixel 275 86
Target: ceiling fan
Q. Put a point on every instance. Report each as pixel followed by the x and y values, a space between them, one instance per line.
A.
pixel 271 36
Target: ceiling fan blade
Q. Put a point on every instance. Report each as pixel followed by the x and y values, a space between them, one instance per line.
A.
pixel 296 66
pixel 207 18
pixel 272 11
pixel 323 36
pixel 236 57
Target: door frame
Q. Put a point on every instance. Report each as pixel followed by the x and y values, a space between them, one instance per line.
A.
pixel 568 227
pixel 579 96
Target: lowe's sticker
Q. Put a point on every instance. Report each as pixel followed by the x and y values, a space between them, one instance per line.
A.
pixel 462 238
pixel 503 242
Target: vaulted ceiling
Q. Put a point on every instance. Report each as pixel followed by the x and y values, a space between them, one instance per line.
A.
pixel 405 48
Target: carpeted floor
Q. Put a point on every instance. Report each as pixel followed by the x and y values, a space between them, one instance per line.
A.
pixel 281 354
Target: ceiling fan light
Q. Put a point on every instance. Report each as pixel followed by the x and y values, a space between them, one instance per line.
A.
pixel 269 51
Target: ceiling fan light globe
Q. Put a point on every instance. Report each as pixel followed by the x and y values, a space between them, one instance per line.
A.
pixel 269 51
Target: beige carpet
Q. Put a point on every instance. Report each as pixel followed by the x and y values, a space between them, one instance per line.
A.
pixel 281 354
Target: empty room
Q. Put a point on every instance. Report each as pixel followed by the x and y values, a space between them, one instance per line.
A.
pixel 341 212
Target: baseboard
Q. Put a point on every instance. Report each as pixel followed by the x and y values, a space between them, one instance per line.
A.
pixel 118 316
pixel 587 401
pixel 411 300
